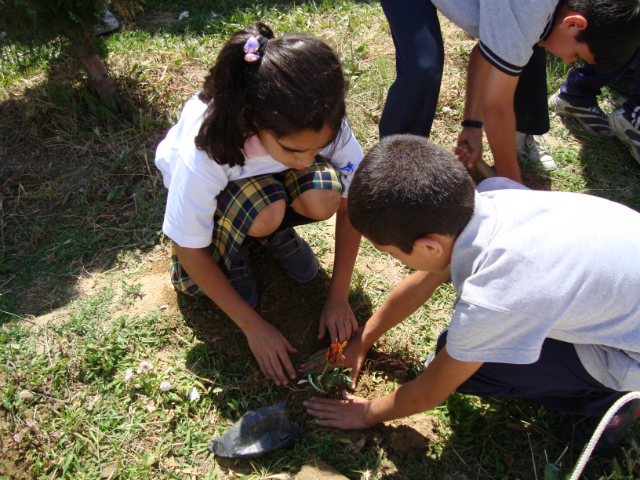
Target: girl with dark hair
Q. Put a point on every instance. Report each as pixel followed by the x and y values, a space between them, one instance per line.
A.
pixel 263 147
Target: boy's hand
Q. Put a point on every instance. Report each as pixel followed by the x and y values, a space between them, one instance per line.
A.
pixel 354 356
pixel 469 148
pixel 347 414
pixel 338 318
pixel 270 349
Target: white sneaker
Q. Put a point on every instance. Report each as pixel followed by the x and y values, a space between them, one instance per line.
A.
pixel 530 151
pixel 109 23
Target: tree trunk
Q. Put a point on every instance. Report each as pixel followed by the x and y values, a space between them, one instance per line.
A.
pixel 98 74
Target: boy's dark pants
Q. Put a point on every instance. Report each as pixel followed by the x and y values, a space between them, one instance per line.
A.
pixel 583 84
pixel 557 380
pixel 413 97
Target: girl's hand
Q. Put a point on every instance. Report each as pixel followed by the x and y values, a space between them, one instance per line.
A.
pixel 270 349
pixel 348 414
pixel 337 317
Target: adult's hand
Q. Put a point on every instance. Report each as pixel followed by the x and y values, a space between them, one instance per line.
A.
pixel 348 414
pixel 469 149
pixel 338 319
pixel 271 350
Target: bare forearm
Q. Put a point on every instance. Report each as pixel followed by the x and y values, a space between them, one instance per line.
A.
pixel 477 74
pixel 347 245
pixel 408 399
pixel 500 128
pixel 500 123
pixel 443 375
pixel 268 345
pixel 206 273
pixel 405 299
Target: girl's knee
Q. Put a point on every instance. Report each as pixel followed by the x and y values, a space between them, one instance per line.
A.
pixel 268 220
pixel 318 204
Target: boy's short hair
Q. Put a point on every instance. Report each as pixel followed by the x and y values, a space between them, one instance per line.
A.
pixel 613 30
pixel 406 188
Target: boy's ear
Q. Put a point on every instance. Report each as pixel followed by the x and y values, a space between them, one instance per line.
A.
pixel 432 243
pixel 573 20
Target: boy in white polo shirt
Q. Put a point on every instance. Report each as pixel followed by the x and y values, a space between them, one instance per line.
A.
pixel 547 286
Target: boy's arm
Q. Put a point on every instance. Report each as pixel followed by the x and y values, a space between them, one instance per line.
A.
pixel 490 94
pixel 403 300
pixel 337 316
pixel 432 387
pixel 268 345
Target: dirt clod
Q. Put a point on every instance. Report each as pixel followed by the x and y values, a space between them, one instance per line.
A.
pixel 109 470
pixel 318 470
pixel 26 396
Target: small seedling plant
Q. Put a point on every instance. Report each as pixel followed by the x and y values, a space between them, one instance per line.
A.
pixel 333 374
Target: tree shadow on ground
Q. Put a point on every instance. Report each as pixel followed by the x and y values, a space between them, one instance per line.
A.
pixel 72 201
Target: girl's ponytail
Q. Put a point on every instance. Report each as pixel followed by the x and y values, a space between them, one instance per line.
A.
pixel 228 121
pixel 296 84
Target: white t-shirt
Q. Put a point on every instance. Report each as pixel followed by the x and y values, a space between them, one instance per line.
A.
pixel 194 180
pixel 507 29
pixel 533 265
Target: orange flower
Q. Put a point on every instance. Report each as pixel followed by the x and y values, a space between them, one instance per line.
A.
pixel 334 353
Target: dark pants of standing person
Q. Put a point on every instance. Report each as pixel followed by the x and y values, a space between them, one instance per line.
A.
pixel 413 97
pixel 583 84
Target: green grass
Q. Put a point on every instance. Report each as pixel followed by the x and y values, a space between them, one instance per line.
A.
pixel 81 202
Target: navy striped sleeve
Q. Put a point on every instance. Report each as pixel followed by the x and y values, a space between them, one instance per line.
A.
pixel 499 63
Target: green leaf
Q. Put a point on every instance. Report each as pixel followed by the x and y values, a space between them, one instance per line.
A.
pixel 115 193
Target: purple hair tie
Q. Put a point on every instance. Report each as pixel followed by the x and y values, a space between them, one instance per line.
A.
pixel 251 49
